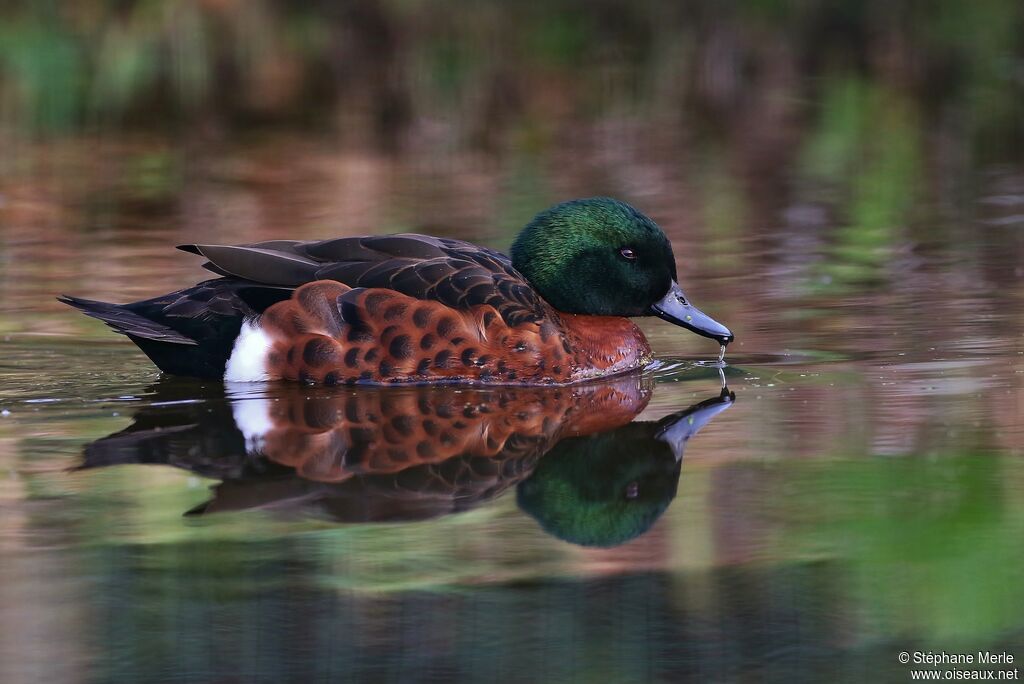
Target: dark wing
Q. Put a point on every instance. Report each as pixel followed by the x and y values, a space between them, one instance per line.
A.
pixel 453 272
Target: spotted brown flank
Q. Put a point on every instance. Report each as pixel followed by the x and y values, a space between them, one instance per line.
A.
pixel 331 334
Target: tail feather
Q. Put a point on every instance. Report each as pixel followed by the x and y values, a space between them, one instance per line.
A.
pixel 118 317
pixel 188 332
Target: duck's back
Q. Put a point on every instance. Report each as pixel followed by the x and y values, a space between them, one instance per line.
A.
pixel 451 272
pixel 394 308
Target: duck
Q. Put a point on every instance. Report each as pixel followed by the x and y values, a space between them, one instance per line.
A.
pixel 412 308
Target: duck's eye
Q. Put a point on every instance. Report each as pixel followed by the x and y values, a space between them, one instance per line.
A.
pixel 628 254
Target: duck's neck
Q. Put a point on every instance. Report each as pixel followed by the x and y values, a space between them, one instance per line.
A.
pixel 604 345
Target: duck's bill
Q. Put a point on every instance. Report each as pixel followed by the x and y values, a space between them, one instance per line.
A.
pixel 674 307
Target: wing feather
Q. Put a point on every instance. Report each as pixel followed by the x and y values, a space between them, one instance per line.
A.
pixel 260 264
pixel 455 273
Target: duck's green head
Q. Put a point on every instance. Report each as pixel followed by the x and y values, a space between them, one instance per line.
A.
pixel 602 257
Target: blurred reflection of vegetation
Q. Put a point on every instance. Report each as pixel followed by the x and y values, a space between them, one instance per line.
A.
pixel 488 66
pixel 887 536
pixel 867 143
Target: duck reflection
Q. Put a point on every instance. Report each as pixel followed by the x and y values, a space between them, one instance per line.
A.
pixel 608 488
pixel 583 469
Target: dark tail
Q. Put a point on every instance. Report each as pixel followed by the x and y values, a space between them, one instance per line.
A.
pixel 189 332
pixel 123 320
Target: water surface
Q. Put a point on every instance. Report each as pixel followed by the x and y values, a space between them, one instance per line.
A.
pixel 861 494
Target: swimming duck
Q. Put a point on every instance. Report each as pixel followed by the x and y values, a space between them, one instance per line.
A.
pixel 417 308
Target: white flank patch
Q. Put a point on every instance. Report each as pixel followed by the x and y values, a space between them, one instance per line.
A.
pixel 252 416
pixel 248 362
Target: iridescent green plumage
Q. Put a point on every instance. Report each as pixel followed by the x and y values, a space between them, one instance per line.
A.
pixel 572 254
